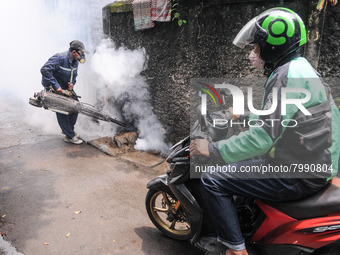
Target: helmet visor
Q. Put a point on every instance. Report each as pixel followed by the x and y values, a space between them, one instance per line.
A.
pixel 246 35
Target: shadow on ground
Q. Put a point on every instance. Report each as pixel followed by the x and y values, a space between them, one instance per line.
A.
pixel 155 242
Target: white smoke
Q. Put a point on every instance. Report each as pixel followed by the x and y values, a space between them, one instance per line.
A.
pixel 25 45
pixel 119 79
pixel 31 33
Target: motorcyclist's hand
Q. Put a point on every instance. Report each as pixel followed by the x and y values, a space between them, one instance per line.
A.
pixel 233 116
pixel 199 147
pixel 70 86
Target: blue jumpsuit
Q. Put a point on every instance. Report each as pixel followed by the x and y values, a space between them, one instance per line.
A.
pixel 57 72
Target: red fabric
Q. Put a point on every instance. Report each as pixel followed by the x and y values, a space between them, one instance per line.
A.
pixel 161 10
pixel 145 12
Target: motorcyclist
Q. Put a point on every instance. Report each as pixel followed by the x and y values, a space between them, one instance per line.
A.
pixel 277 35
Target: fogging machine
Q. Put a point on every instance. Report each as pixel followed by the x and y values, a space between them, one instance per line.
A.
pixel 66 105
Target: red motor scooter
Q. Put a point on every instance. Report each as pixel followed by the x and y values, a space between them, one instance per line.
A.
pixel 307 226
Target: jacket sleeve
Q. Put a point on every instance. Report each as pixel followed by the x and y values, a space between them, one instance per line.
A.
pixel 248 144
pixel 47 72
pixel 262 133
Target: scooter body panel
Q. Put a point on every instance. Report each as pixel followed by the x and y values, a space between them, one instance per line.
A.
pixel 279 228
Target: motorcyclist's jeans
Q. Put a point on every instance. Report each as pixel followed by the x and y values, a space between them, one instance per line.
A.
pixel 219 189
pixel 67 122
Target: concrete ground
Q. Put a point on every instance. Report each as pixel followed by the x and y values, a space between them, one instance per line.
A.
pixel 59 198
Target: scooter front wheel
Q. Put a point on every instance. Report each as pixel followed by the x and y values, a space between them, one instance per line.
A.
pixel 160 206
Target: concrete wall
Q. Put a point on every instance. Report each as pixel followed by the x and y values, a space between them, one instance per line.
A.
pixel 203 48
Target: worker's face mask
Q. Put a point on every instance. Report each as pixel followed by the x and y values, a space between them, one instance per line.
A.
pixel 82 59
pixel 256 59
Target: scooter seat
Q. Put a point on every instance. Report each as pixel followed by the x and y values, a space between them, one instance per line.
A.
pixel 320 204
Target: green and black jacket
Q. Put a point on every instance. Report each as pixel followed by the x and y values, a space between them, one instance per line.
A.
pixel 266 140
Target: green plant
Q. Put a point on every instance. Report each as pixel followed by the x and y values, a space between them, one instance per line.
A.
pixel 177 15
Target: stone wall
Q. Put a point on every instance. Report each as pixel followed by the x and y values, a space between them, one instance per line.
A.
pixel 203 48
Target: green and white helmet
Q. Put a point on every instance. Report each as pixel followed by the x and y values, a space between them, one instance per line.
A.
pixel 278 31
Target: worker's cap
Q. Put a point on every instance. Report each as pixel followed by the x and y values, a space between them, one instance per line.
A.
pixel 78 45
